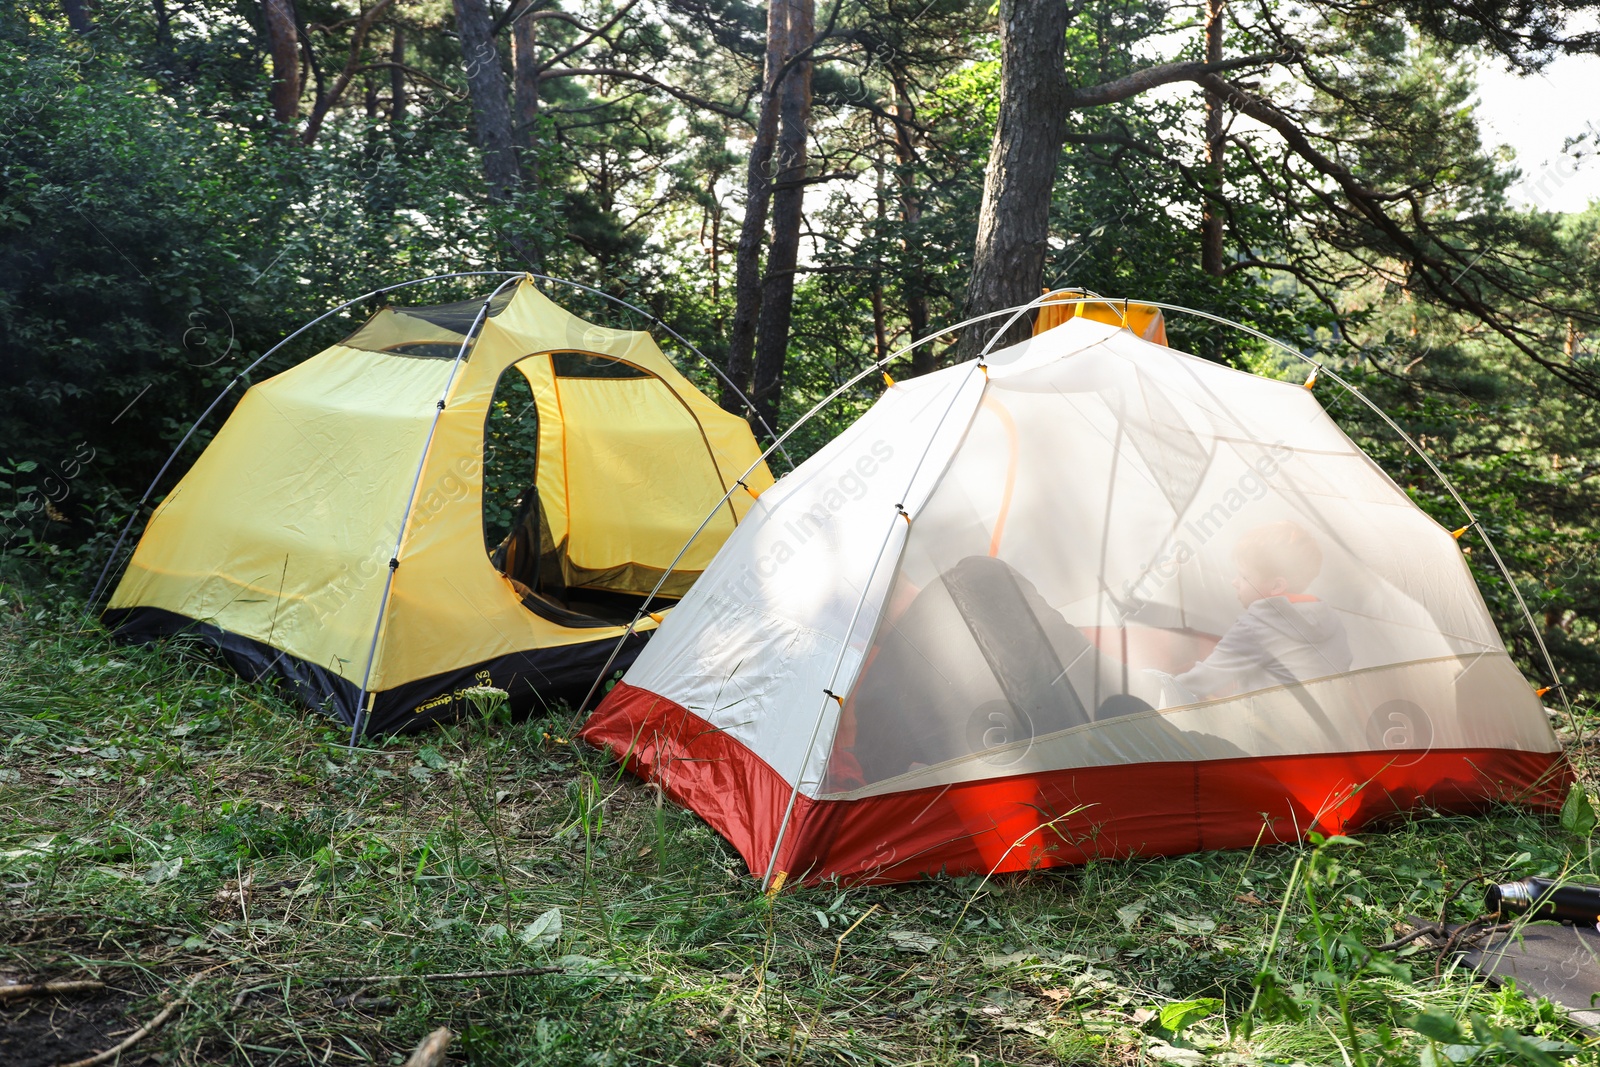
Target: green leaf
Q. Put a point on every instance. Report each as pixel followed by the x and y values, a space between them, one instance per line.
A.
pixel 1437 1026
pixel 1182 1013
pixel 1129 914
pixel 543 931
pixel 1577 815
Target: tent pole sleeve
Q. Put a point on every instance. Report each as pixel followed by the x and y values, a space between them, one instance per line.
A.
pixel 362 701
pixel 644 608
pixel 138 508
pixel 830 690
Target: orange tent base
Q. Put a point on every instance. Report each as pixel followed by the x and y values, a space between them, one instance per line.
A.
pixel 1052 819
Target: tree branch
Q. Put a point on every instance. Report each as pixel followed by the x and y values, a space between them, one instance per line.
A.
pixel 629 75
pixel 1141 81
pixel 325 102
pixel 584 42
pixel 1435 275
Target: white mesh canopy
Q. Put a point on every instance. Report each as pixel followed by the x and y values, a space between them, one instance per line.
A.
pixel 1135 555
pixel 1069 592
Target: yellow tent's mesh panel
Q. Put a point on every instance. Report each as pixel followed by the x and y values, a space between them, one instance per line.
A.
pixel 433 331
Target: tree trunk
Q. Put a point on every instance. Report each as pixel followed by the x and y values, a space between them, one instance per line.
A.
pixel 788 202
pixel 1211 210
pixel 715 212
pixel 1014 217
pixel 915 280
pixel 880 323
pixel 397 84
pixel 758 195
pixel 525 75
pixel 491 111
pixel 163 30
pixel 77 13
pixel 284 40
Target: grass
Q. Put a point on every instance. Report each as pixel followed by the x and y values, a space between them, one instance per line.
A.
pixel 171 829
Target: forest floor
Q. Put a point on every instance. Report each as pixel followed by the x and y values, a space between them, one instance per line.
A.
pixel 196 842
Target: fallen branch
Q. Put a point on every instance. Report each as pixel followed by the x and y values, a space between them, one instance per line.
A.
pixel 49 989
pixel 132 1039
pixel 452 976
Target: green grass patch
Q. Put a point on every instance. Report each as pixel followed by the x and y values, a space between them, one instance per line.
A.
pixel 171 829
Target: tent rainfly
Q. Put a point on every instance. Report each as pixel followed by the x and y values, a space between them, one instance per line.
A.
pixel 1090 597
pixel 333 532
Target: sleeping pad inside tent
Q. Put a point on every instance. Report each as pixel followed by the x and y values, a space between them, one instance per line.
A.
pixel 1090 597
pixel 279 546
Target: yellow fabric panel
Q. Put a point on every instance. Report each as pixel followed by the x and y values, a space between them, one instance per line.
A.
pixel 1142 319
pixel 640 475
pixel 552 474
pixel 283 529
pixel 729 435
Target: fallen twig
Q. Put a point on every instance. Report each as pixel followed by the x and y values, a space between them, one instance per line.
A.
pixel 1471 933
pixel 49 989
pixel 1430 930
pixel 132 1039
pixel 246 994
pixel 431 1051
pixel 452 976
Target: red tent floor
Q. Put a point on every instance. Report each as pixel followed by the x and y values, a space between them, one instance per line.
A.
pixel 1054 818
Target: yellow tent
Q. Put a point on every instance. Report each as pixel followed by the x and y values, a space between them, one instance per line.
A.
pixel 332 533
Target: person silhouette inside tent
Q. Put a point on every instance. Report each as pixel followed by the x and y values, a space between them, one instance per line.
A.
pixel 1285 634
pixel 984 626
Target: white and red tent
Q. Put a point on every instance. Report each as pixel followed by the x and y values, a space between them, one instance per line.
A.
pixel 1089 597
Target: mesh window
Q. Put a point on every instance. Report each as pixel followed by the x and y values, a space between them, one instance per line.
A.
pixel 586 365
pixel 428 332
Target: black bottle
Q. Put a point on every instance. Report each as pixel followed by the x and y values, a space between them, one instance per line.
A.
pixel 1543 898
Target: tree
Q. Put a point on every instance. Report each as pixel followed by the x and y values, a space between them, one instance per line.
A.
pixel 788 182
pixel 487 85
pixel 1035 101
pixel 747 280
pixel 283 41
pixel 1398 220
pixel 1013 217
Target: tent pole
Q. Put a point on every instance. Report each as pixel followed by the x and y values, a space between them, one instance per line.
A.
pixel 138 508
pixel 366 697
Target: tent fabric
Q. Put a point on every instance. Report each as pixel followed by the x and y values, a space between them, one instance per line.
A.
pixel 1032 591
pixel 283 533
